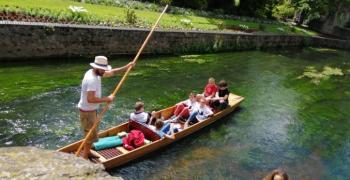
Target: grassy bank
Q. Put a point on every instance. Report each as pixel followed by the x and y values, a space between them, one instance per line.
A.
pixel 58 11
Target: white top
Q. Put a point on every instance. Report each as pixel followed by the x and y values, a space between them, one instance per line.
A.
pixel 91 82
pixel 140 117
pixel 193 106
pixel 204 112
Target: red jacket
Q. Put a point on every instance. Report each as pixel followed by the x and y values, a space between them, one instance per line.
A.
pixel 210 89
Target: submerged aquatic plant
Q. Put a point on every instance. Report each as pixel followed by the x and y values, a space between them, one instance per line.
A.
pixel 316 76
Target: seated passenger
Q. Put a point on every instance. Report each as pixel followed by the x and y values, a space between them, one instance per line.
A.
pixel 139 115
pixel 163 130
pixel 201 114
pixel 220 101
pixel 183 109
pixel 209 90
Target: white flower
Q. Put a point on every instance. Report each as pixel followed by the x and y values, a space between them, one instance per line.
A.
pixel 77 9
pixel 243 26
pixel 186 21
pixel 280 29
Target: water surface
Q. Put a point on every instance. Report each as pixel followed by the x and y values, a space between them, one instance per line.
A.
pixel 285 121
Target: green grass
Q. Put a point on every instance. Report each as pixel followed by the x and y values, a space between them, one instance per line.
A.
pixel 99 14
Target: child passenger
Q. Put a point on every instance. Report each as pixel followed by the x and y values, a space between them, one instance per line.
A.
pixel 163 130
pixel 209 90
pixel 183 109
pixel 201 114
pixel 220 101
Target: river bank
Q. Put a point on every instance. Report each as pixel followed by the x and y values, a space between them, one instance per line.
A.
pixel 34 163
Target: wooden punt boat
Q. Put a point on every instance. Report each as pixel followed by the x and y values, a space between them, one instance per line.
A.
pixel 113 157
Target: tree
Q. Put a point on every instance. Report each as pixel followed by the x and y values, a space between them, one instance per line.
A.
pixel 312 10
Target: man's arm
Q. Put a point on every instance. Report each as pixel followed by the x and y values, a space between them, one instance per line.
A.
pixel 112 72
pixel 91 98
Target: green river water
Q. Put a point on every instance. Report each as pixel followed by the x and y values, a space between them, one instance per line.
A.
pixel 299 123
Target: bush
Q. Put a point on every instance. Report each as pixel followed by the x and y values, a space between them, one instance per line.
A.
pixel 244 27
pixel 165 2
pixel 283 11
pixel 130 16
pixel 261 27
pixel 78 13
pixel 221 25
pixel 186 22
pixel 293 29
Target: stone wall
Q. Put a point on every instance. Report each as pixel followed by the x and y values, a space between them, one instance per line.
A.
pixel 342 32
pixel 39 40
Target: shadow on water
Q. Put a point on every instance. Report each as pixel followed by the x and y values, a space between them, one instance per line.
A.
pixel 306 54
pixel 5 63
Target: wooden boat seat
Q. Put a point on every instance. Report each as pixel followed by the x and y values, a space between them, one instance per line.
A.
pixel 122 149
pixel 149 133
pixel 109 153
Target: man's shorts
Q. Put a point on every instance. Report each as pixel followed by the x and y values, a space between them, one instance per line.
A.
pixel 87 119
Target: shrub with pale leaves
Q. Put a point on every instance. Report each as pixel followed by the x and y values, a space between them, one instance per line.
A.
pixel 243 27
pixel 186 22
pixel 78 13
pixel 77 9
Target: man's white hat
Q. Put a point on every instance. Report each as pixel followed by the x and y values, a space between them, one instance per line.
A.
pixel 101 62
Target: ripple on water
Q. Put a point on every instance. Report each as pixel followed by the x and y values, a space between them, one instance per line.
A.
pixel 280 123
pixel 18 125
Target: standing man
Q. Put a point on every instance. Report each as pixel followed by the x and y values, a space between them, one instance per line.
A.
pixel 90 97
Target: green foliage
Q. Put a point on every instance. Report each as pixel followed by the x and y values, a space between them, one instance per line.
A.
pixel 57 11
pixel 78 12
pixel 243 27
pixel 165 2
pixel 293 29
pixel 187 23
pixel 236 2
pixel 221 25
pixel 261 27
pixel 314 10
pixel 195 4
pixel 283 11
pixel 130 16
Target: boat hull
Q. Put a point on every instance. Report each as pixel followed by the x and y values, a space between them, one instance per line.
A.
pixel 123 158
